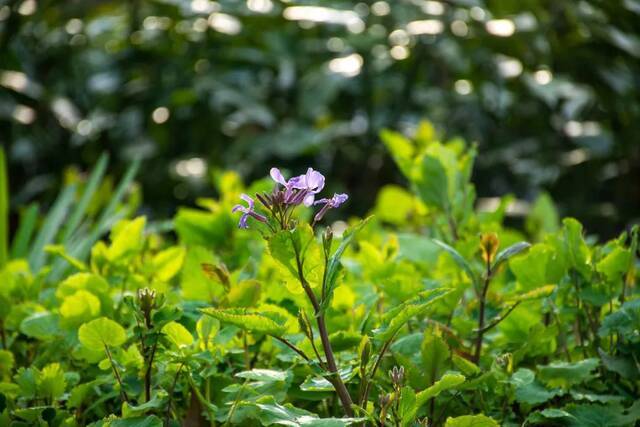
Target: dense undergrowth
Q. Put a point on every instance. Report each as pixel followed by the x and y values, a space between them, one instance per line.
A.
pixel 426 313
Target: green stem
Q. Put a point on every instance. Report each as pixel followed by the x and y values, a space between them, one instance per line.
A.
pixel 481 329
pixel 123 393
pixel 336 381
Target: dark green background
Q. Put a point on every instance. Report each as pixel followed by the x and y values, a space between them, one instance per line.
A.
pixel 92 73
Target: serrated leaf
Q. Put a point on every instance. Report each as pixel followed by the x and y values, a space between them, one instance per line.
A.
pixel 541 292
pixel 265 322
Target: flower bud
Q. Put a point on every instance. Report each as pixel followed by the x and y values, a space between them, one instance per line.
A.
pixel 489 245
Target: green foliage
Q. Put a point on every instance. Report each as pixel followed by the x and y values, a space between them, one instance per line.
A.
pixel 440 315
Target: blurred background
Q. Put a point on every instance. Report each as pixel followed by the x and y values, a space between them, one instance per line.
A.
pixel 549 90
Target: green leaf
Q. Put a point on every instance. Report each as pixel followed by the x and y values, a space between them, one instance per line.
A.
pixel 459 259
pixel 595 415
pixel 60 251
pixel 432 183
pixel 471 421
pixel 271 413
pixel 316 383
pixel 541 292
pixel 177 334
pixel 505 254
pixel 398 316
pixel 531 269
pixel 547 416
pixel 565 375
pixel 435 354
pixel 626 367
pixel 43 326
pixel 407 407
pixel 467 367
pixel 265 322
pixel 264 375
pixel 333 264
pixel 615 264
pixel 401 149
pixel 394 205
pixel 126 239
pixel 80 307
pixel 528 390
pixel 447 382
pixel 52 381
pixel 244 294
pixel 97 333
pixel 577 250
pixel 625 321
pixel 167 263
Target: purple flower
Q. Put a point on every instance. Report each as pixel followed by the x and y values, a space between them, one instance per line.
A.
pixel 247 212
pixel 299 189
pixel 332 203
pixel 312 183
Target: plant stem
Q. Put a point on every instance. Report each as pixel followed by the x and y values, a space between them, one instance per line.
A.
pixel 483 298
pixel 171 390
pixel 336 381
pixel 147 374
pixel 383 350
pixel 500 319
pixel 123 393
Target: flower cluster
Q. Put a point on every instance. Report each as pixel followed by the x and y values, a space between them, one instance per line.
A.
pixel 286 196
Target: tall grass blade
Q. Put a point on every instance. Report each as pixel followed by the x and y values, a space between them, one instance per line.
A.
pixel 51 227
pixel 28 222
pixel 92 186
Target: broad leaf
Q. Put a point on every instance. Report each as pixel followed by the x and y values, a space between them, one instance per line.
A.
pixel 177 334
pixel 447 382
pixel 265 322
pixel 97 333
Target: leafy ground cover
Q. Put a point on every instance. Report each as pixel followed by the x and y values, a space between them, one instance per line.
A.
pixel 251 309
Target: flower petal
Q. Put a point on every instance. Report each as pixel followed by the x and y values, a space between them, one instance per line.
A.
pixel 308 199
pixel 247 199
pixel 276 175
pixel 243 221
